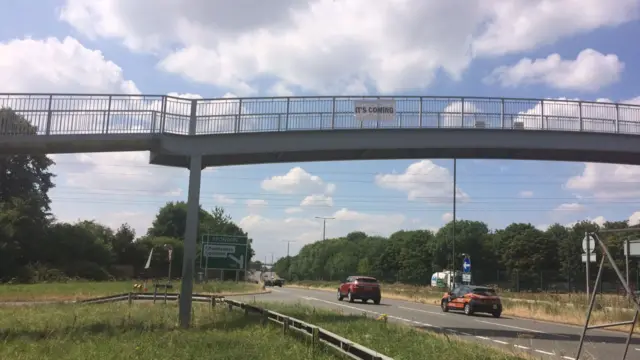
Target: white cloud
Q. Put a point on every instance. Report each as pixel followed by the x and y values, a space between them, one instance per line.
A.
pixel 223 199
pixel 292 210
pixel 307 230
pixel 334 46
pixel 634 219
pixel 423 181
pixel 590 71
pixel 606 181
pixel 526 194
pixel 256 203
pixel 296 181
pixel 570 207
pixel 317 200
pixel 446 217
pixel 54 66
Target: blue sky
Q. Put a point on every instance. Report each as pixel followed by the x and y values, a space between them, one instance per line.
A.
pixel 114 46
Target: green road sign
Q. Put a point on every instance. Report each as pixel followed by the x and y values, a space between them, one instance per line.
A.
pixel 224 252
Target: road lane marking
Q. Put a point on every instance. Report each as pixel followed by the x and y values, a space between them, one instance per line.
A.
pixel 309 298
pixel 424 311
pixel 543 352
pixel 510 326
pixel 568 358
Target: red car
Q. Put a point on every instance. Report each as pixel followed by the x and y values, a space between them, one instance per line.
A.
pixel 360 287
pixel 472 299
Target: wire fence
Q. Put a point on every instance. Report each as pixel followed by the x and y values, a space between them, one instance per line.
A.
pixel 87 114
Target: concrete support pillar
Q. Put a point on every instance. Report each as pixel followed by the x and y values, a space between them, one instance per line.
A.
pixel 190 240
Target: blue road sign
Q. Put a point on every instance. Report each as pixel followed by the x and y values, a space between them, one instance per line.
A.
pixel 466 265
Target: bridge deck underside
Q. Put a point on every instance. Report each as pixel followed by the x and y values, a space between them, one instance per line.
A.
pixel 277 147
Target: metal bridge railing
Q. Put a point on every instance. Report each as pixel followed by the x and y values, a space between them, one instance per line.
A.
pixel 77 114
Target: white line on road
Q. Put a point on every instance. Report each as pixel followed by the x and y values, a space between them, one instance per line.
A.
pixel 543 352
pixel 424 311
pixel 568 358
pixel 448 330
pixel 510 326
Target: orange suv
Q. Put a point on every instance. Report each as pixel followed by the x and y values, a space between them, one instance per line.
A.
pixel 472 299
pixel 360 287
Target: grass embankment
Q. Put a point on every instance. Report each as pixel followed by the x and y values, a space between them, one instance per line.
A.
pixel 562 308
pixel 78 290
pixel 147 331
pixel 142 331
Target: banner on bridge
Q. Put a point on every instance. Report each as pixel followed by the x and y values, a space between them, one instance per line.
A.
pixel 375 109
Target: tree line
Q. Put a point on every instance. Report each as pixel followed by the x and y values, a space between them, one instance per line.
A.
pixel 519 256
pixel 35 246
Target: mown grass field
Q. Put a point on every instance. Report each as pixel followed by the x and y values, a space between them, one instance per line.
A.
pixel 78 290
pixel 147 331
pixel 563 308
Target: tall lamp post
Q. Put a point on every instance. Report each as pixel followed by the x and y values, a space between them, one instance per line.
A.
pixel 453 225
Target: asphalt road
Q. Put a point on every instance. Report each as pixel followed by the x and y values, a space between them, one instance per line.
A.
pixel 540 339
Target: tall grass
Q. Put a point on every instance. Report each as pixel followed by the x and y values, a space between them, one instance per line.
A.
pixel 77 290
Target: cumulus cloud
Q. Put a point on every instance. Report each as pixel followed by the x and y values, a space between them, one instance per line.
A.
pixel 590 71
pixel 296 181
pixel 606 181
pixel 423 181
pixel 334 46
pixel 570 207
pixel 317 200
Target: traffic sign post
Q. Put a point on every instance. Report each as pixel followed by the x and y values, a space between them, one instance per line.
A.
pixel 466 269
pixel 224 252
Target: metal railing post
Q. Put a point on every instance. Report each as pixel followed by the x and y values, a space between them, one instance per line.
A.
pixel 617 118
pixel 420 112
pixel 239 117
pixel 49 115
pixel 580 116
pixel 462 113
pixel 333 112
pixel 193 118
pixel 163 115
pixel 107 121
pixel 502 113
pixel 542 114
pixel 286 116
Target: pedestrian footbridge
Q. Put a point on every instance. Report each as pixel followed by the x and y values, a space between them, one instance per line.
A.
pixel 232 131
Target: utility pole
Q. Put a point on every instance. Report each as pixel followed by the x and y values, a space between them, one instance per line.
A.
pixel 324 225
pixel 453 236
pixel 288 243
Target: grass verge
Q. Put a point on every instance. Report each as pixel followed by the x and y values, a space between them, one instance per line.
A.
pixel 143 331
pixel 78 290
pixel 560 308
pixel 147 331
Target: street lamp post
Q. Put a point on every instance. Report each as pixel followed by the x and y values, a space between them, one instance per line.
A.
pixel 324 225
pixel 453 236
